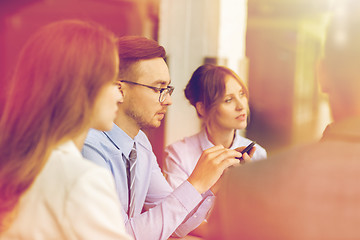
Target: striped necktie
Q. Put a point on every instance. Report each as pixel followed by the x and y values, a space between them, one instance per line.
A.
pixel 131 180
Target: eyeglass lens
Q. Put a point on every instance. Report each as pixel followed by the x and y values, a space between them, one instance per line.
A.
pixel 164 93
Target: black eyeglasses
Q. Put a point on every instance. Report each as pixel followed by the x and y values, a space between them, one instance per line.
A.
pixel 163 91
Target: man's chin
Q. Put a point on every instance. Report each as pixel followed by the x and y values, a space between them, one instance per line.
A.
pixel 155 124
pixel 150 126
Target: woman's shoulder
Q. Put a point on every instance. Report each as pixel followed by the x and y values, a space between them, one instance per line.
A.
pixel 184 143
pixel 61 176
pixel 67 165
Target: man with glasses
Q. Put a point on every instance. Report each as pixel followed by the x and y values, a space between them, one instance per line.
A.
pixel 152 209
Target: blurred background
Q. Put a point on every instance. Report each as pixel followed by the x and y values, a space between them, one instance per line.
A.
pixel 274 45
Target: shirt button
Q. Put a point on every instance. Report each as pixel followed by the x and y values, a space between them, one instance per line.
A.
pixel 209 200
pixel 195 215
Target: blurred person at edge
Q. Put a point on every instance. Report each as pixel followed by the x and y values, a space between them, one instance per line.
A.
pixel 157 210
pixel 312 191
pixel 220 98
pixel 64 83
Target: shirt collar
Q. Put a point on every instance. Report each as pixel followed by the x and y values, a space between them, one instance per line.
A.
pixel 120 139
pixel 205 142
pixel 238 141
pixel 69 146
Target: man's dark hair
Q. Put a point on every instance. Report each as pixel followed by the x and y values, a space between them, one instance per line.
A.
pixel 136 48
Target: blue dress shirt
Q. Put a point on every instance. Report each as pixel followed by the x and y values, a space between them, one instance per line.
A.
pixel 160 211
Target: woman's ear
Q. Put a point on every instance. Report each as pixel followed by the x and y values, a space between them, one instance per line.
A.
pixel 200 108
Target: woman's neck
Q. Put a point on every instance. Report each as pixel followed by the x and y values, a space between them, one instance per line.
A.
pixel 220 136
pixel 80 139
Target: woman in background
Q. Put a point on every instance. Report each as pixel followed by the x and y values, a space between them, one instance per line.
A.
pixel 220 98
pixel 64 83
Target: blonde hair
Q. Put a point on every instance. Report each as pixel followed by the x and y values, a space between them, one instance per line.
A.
pixel 56 81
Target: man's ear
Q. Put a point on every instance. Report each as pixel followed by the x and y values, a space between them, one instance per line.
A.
pixel 200 108
pixel 121 92
pixel 322 75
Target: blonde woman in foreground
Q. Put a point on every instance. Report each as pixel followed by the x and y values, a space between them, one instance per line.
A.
pixel 64 83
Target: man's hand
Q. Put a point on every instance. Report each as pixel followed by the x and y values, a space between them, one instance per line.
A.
pixel 211 165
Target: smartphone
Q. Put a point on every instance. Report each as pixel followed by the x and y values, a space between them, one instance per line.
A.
pixel 248 148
